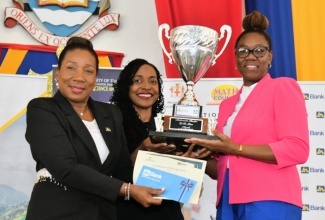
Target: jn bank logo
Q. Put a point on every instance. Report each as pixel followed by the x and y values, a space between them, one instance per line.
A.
pixel 309 96
pixel 306 96
pixel 304 169
pixel 320 151
pixel 312 170
pixel 320 114
pixel 320 189
pixel 305 207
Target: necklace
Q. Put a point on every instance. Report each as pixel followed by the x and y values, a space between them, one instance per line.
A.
pixel 82 113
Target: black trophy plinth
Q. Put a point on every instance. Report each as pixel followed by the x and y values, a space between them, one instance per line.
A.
pixel 177 138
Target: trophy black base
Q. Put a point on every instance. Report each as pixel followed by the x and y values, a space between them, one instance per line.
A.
pixel 177 138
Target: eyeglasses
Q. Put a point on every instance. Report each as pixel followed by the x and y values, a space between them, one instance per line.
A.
pixel 258 52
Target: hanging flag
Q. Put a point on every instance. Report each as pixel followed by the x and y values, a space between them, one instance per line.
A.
pixel 296 36
pixel 309 31
pixel 208 13
pixel 281 32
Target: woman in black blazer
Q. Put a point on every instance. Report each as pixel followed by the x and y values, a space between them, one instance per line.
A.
pixel 79 146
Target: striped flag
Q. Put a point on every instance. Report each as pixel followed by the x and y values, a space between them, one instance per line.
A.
pixel 20 59
pixel 297 34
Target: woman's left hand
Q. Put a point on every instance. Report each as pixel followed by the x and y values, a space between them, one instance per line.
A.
pixel 223 145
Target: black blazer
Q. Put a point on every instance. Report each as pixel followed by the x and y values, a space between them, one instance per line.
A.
pixel 83 188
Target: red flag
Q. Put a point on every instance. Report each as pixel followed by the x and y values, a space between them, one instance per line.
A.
pixel 209 13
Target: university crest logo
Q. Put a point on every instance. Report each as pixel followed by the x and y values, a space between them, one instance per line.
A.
pixel 61 17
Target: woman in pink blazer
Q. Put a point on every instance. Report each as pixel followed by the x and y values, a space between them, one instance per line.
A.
pixel 263 133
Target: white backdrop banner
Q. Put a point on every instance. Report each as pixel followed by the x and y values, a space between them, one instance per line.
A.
pixel 210 93
pixel 17 168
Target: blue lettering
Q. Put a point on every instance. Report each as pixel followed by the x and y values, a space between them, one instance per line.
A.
pixel 305 188
pixel 316 133
pixel 312 96
pixel 318 208
pixel 316 170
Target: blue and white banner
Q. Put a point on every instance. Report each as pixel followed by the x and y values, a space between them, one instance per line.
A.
pixel 17 166
pixel 210 93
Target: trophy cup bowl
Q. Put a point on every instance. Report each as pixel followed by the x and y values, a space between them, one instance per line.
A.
pixel 193 51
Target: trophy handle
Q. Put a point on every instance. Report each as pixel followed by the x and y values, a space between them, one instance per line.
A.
pixel 160 30
pixel 222 32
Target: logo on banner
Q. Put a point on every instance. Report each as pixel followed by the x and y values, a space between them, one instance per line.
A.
pixel 222 92
pixel 305 207
pixel 61 17
pixel 177 90
pixel 319 114
pixel 306 96
pixel 320 151
pixel 320 189
pixel 309 96
pixel 311 170
pixel 308 207
pixel 304 169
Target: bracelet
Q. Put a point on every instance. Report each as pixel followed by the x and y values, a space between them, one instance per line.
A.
pixel 240 150
pixel 129 186
pixel 127 191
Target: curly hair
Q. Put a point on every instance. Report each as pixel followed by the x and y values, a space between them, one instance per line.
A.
pixel 133 126
pixel 255 23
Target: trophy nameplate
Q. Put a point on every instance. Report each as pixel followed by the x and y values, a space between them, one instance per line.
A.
pixel 186 118
pixel 186 124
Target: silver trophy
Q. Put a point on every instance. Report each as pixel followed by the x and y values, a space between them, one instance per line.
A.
pixel 193 51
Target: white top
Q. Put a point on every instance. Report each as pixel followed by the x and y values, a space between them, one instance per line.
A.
pixel 242 98
pixel 98 139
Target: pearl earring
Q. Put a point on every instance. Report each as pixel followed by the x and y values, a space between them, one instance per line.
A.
pixel 270 65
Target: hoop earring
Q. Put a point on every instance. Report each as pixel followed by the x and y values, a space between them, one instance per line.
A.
pixel 270 65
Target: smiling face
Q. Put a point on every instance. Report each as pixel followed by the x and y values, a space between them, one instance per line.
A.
pixel 144 91
pixel 77 75
pixel 253 69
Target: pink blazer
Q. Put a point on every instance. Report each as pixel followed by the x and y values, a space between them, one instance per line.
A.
pixel 274 114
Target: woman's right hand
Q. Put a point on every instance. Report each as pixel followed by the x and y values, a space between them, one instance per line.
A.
pixel 158 148
pixel 144 195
